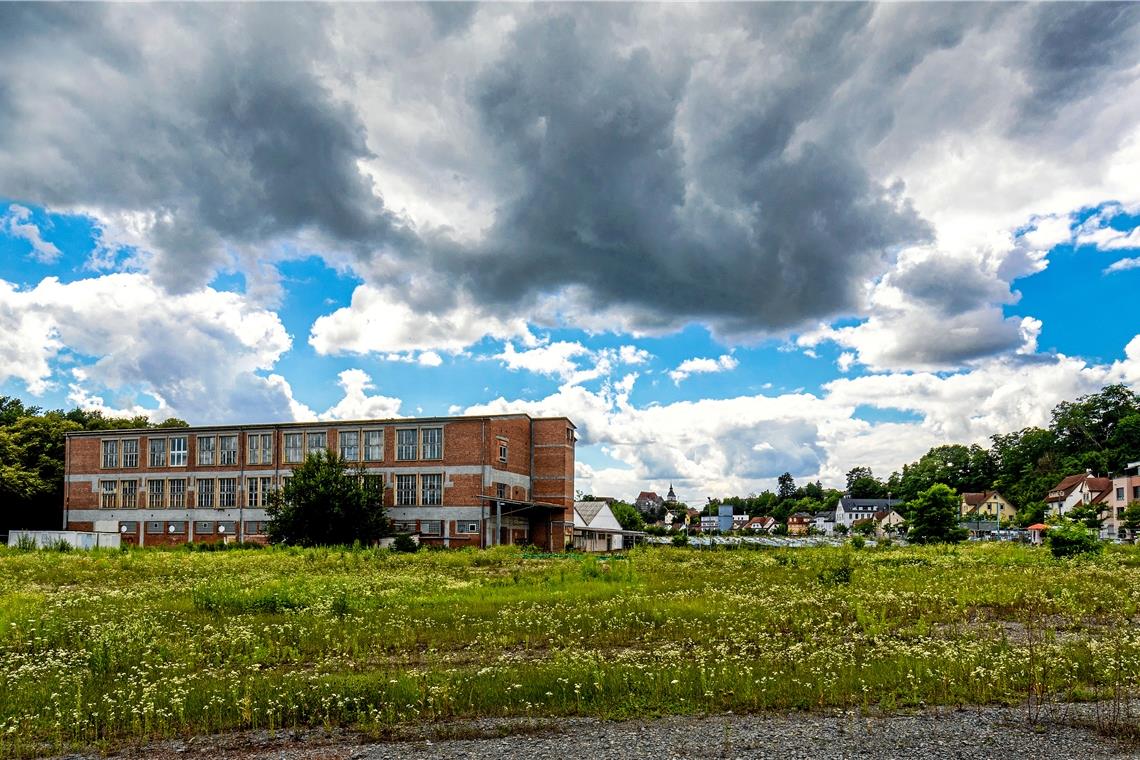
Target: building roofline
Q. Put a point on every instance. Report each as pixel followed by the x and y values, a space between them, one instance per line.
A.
pixel 260 426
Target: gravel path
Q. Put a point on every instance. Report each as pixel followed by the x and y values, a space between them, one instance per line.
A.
pixel 971 733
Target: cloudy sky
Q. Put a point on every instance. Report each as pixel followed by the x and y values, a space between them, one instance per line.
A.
pixel 726 240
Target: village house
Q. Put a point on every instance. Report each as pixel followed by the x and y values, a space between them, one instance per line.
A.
pixel 1075 490
pixel 988 506
pixel 824 522
pixel 849 510
pixel 596 529
pixel 454 481
pixel 765 524
pixel 799 524
pixel 888 522
pixel 1125 490
pixel 739 521
pixel 647 501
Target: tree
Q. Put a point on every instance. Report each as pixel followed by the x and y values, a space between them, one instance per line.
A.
pixel 325 503
pixel 862 484
pixel 866 526
pixel 935 516
pixel 787 486
pixel 627 516
pixel 1132 518
pixel 1068 538
pixel 1087 515
pixel 1100 424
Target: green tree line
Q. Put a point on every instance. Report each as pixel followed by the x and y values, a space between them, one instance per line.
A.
pixel 31 458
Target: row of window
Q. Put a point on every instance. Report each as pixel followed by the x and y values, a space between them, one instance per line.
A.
pixel 355 446
pixel 201 527
pixel 222 493
pixel 435 527
pixel 1135 493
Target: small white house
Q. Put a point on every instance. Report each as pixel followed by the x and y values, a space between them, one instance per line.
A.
pixel 595 527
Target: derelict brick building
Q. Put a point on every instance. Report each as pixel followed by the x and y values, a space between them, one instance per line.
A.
pixel 457 481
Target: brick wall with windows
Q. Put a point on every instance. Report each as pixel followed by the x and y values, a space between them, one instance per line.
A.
pixel 443 470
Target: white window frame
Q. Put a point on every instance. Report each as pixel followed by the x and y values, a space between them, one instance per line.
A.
pixel 179 454
pixel 110 451
pixel 431 527
pixel 436 450
pixel 259 448
pixel 503 452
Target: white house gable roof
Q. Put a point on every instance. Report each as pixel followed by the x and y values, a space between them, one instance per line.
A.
pixel 596 515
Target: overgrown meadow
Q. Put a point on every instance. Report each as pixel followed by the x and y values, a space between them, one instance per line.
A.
pixel 105 647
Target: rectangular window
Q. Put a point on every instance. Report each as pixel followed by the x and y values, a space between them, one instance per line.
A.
pixel 156 489
pixel 206 493
pixel 176 527
pixel 203 527
pixel 373 445
pixel 178 451
pixel 252 493
pixel 1120 494
pixel 227 449
pixel 131 453
pixel 255 527
pixel 108 492
pixel 206 450
pixel 260 446
pixel 433 443
pixel 157 448
pixel 433 489
pixel 293 450
pixel 129 527
pixel 177 493
pixel 502 452
pixel 467 526
pixel 431 527
pixel 404 527
pixel 129 490
pixel 1136 493
pixel 317 442
pixel 350 445
pixel 227 528
pixel 405 490
pixel 501 490
pixel 110 454
pixel 154 527
pixel 227 492
pixel 405 445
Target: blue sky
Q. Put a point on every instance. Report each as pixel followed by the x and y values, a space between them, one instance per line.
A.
pixel 822 243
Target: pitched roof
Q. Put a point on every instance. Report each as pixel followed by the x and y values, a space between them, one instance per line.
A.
pixel 1068 484
pixel 589 509
pixel 650 495
pixel 973 499
pixel 1098 485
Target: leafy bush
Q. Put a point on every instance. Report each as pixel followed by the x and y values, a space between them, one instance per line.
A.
pixel 1071 539
pixel 681 539
pixel 405 543
pixel 858 542
pixel 25 544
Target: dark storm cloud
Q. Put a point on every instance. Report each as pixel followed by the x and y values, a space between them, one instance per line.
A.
pixel 726 183
pixel 1071 47
pixel 230 140
pixel 953 286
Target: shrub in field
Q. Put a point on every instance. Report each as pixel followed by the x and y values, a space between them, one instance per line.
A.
pixel 405 543
pixel 858 542
pixel 935 517
pixel 1069 538
pixel 326 504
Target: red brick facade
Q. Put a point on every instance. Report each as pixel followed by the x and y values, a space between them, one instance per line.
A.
pixel 460 481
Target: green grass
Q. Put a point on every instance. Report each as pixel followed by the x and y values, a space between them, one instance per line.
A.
pixel 105 647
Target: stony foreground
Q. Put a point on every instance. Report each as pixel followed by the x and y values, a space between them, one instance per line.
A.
pixel 1062 732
